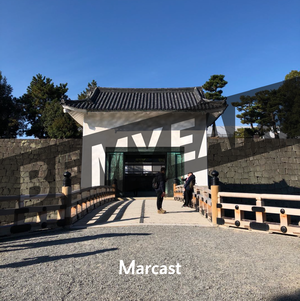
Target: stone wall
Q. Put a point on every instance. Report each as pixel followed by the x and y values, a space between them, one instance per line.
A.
pixel 32 166
pixel 262 166
pixel 35 166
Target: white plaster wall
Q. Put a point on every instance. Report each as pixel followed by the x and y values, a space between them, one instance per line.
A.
pixel 95 122
pixel 183 134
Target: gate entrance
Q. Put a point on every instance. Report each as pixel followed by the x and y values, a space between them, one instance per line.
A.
pixel 139 171
pixel 133 170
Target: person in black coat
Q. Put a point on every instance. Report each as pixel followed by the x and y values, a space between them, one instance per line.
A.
pixel 189 189
pixel 160 191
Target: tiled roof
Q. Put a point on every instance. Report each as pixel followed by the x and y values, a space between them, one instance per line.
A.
pixel 123 99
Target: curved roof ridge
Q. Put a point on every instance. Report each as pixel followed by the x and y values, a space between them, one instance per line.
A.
pixel 94 95
pixel 146 99
pixel 146 89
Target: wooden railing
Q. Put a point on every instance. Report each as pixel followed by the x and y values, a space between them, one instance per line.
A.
pixel 70 206
pixel 201 199
pixel 231 208
pixel 260 221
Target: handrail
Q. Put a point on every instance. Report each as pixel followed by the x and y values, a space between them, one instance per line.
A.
pixel 28 196
pixel 25 218
pixel 288 219
pixel 284 223
pixel 265 196
pixel 201 199
pixel 9 198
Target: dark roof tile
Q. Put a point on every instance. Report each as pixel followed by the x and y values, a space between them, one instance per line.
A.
pixel 123 99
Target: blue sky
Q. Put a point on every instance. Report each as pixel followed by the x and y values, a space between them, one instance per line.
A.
pixel 149 43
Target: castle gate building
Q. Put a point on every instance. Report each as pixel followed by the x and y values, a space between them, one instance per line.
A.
pixel 129 134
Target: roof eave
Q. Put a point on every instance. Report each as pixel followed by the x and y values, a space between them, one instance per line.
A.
pixel 219 112
pixel 69 108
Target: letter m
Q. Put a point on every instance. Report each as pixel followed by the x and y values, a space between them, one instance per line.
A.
pixel 98 165
pixel 131 267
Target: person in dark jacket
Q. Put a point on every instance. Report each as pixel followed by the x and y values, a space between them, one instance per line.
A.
pixel 189 189
pixel 184 191
pixel 160 191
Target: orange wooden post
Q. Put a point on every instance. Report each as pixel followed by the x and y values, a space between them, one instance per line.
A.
pixel 175 183
pixel 260 216
pixel 285 220
pixel 214 196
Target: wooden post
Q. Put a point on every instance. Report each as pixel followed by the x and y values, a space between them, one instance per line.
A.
pixel 285 220
pixel 115 187
pixel 175 183
pixel 66 190
pixel 260 216
pixel 214 196
pixel 19 218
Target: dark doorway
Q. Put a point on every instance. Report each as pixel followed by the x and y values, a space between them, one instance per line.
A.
pixel 139 170
pixel 132 170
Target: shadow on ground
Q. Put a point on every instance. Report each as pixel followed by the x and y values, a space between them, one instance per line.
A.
pixel 72 240
pixel 43 259
pixel 288 297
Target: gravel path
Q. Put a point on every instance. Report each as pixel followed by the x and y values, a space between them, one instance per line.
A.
pixel 216 264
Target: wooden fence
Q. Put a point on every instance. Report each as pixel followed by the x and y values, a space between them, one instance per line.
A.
pixel 276 217
pixel 201 199
pixel 274 213
pixel 70 206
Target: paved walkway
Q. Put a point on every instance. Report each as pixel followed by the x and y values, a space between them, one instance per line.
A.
pixel 142 210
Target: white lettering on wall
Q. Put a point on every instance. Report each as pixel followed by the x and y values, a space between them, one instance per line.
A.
pixel 154 137
pixel 177 140
pixel 98 162
pixel 189 156
pixel 39 181
pixel 203 146
pixel 122 142
pixel 140 142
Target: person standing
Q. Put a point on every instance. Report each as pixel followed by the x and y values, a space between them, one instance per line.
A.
pixel 184 190
pixel 160 191
pixel 189 189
